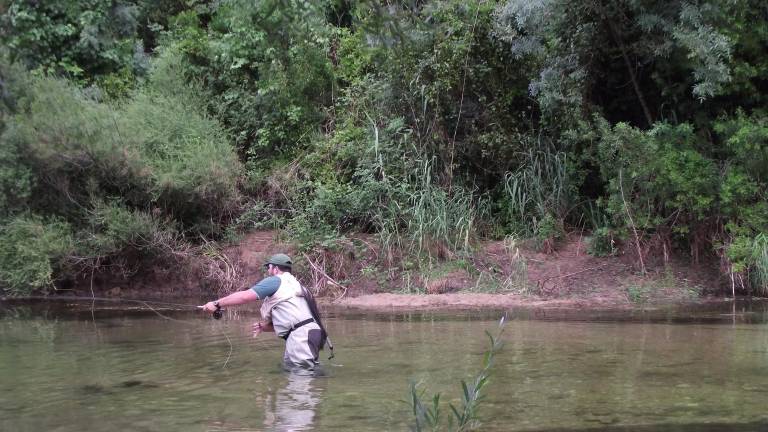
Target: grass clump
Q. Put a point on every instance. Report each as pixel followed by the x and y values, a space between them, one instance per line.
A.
pixel 760 259
pixel 664 287
pixel 602 243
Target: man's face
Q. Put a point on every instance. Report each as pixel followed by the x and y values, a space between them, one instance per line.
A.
pixel 271 269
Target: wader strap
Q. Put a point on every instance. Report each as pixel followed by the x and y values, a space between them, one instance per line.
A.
pixel 297 325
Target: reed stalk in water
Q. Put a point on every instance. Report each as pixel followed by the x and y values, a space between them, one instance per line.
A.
pixel 427 416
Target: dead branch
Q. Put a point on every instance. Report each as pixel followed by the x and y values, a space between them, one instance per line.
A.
pixel 325 275
pixel 632 222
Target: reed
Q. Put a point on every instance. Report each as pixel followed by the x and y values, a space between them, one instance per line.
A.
pixel 540 187
pixel 760 259
pixel 423 219
pixel 428 416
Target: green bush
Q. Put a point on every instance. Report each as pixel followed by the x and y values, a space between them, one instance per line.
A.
pixel 191 167
pixel 602 242
pixel 33 251
pixel 266 70
pixel 657 178
pixel 16 179
pixel 154 150
pixel 81 40
pixel 114 230
pixel 746 139
pixel 71 141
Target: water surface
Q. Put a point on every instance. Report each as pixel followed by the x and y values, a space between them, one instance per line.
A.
pixel 75 367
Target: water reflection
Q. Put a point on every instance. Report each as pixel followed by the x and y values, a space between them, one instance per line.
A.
pixel 293 407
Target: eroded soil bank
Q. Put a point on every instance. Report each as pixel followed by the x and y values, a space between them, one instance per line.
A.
pixel 498 275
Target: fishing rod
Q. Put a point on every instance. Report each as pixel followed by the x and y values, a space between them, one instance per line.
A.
pixel 217 314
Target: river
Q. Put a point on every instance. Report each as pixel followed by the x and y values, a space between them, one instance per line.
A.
pixel 112 367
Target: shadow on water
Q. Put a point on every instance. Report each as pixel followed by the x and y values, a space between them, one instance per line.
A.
pixel 98 389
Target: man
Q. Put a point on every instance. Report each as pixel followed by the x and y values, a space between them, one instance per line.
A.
pixel 287 309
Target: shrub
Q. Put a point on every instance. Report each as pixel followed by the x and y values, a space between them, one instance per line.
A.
pixel 32 250
pixel 16 179
pixel 659 182
pixel 602 242
pixel 79 39
pixel 114 230
pixel 192 169
pixel 154 150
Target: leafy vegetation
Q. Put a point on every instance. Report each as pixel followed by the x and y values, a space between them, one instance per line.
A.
pixel 135 129
pixel 33 252
pixel 428 415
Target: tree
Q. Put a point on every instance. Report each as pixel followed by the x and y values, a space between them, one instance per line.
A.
pixel 661 46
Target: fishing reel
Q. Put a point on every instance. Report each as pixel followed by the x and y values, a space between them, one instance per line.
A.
pixel 219 312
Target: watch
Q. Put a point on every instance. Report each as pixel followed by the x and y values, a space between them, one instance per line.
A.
pixel 216 303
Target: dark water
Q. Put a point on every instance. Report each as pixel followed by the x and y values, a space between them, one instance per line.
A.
pixel 123 367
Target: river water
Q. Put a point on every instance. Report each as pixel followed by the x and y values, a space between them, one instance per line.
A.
pixel 78 367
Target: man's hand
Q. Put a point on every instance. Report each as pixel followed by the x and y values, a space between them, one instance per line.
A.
pixel 208 307
pixel 258 328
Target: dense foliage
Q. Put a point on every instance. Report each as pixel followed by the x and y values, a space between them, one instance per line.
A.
pixel 130 130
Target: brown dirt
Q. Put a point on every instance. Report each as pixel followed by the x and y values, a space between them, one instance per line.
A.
pixel 355 275
pixel 566 278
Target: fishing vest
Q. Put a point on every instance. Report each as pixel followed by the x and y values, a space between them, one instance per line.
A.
pixel 289 289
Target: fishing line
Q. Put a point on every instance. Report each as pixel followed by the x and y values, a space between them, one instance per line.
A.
pixel 105 299
pixel 216 315
pixel 161 315
pixel 224 366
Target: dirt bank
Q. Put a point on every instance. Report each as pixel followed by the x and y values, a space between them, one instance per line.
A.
pixel 460 301
pixel 500 274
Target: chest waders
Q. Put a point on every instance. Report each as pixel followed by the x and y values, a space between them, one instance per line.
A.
pixel 316 318
pixel 289 290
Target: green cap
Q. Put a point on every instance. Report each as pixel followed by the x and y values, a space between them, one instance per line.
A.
pixel 280 260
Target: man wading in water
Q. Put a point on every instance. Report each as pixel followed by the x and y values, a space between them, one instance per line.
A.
pixel 287 309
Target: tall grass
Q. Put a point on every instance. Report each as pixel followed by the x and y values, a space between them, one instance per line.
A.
pixel 421 218
pixel 760 260
pixel 429 416
pixel 542 186
pixel 437 216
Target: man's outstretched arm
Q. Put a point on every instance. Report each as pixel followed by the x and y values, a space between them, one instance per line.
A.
pixel 234 299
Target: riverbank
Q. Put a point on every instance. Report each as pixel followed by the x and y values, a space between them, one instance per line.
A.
pixel 472 301
pixel 499 274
